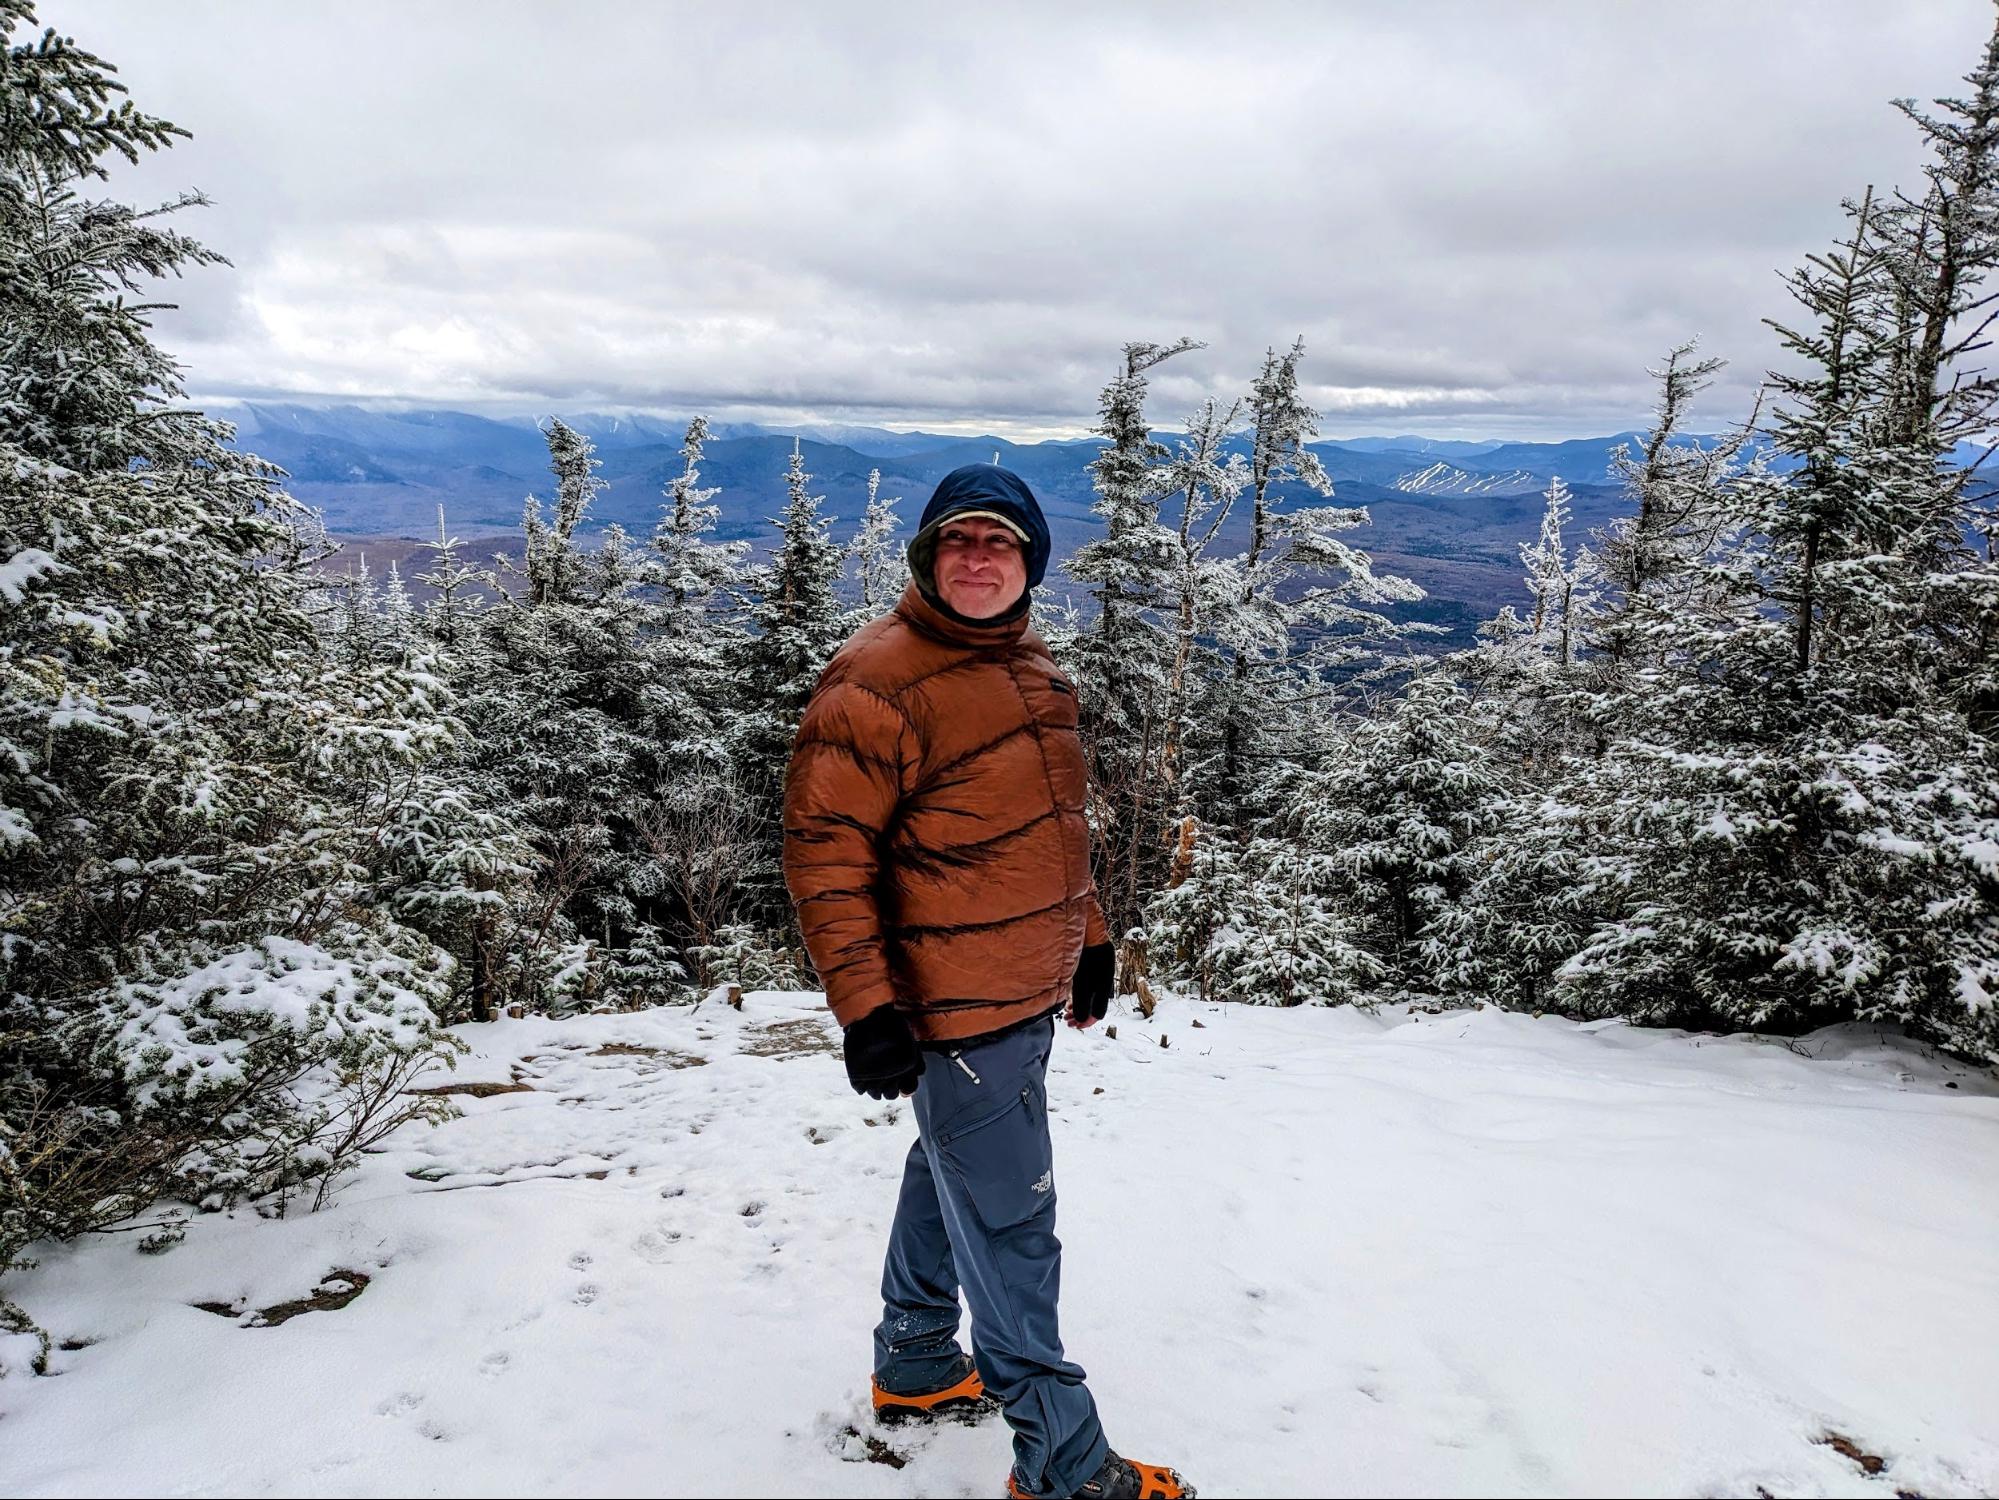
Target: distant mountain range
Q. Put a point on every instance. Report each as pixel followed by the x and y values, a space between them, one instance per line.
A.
pixel 378 473
pixel 1449 514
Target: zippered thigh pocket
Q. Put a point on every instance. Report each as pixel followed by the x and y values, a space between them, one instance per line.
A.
pixel 1005 1160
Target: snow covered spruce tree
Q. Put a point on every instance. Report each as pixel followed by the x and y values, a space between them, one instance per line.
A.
pixel 454 590
pixel 1551 694
pixel 1400 809
pixel 1671 483
pixel 881 571
pixel 691 568
pixel 1792 818
pixel 201 999
pixel 1204 481
pixel 1310 602
pixel 566 739
pixel 1263 920
pixel 1534 686
pixel 1941 252
pixel 695 822
pixel 1202 675
pixel 1122 662
pixel 796 623
pixel 1529 674
pixel 1564 589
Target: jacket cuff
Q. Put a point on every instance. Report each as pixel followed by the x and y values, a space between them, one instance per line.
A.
pixel 1095 931
pixel 847 1009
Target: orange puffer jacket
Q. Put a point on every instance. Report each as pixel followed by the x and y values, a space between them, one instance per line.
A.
pixel 934 838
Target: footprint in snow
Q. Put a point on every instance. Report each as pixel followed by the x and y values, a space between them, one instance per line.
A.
pixel 656 1245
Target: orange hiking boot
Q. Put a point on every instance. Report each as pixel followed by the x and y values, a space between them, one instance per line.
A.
pixel 1119 1479
pixel 964 1397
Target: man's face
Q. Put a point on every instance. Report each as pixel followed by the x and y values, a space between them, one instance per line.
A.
pixel 981 567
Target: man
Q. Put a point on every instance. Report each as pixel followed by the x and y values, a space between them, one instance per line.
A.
pixel 937 854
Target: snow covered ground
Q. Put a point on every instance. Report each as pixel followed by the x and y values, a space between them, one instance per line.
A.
pixel 1310 1252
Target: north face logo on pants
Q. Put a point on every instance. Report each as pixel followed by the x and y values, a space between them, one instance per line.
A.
pixel 1045 1183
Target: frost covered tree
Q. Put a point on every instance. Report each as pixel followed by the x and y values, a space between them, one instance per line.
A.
pixel 742 955
pixel 1776 849
pixel 552 561
pixel 1200 674
pixel 1940 251
pixel 796 623
pixel 201 997
pixel 1262 922
pixel 356 616
pixel 880 568
pixel 1791 815
pixel 1122 662
pixel 1529 675
pixel 693 629
pixel 452 584
pixel 1204 481
pixel 397 640
pixel 1671 483
pixel 71 377
pixel 1164 775
pixel 794 611
pixel 1541 876
pixel 1310 602
pixel 1123 565
pixel 561 700
pixel 1401 810
pixel 692 567
pixel 1564 589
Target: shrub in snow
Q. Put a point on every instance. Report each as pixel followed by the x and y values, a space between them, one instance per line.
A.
pixel 745 956
pixel 647 971
pixel 1531 900
pixel 24 1348
pixel 1399 815
pixel 211 1075
pixel 1259 923
pixel 285 1058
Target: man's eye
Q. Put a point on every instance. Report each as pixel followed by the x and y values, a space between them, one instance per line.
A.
pixel 1000 543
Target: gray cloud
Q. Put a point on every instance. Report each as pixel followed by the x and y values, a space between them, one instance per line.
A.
pixel 1484 219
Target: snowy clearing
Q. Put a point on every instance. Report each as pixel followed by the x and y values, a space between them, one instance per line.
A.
pixel 1309 1252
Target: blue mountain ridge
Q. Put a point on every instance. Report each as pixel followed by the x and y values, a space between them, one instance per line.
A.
pixel 384 475
pixel 385 472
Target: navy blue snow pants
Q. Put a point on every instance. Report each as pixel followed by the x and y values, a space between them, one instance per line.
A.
pixel 978 1210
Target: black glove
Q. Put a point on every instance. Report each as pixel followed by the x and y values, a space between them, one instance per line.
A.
pixel 1090 992
pixel 882 1058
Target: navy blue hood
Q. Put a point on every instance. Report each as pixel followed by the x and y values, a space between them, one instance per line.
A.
pixel 985 487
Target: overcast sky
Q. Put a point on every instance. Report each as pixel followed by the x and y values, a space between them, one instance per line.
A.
pixel 1485 219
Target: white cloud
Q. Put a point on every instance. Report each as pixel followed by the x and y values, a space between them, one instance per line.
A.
pixel 1485 218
